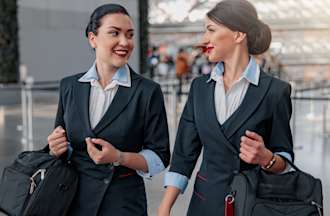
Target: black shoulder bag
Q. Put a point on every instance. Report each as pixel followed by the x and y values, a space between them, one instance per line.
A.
pixel 37 184
pixel 257 193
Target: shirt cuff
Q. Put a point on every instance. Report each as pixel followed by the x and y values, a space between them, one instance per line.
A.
pixel 177 180
pixel 287 156
pixel 155 164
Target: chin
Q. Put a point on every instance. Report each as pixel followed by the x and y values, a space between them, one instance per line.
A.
pixel 119 64
pixel 212 59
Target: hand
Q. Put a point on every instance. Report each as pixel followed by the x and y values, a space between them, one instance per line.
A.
pixel 57 141
pixel 105 154
pixel 253 150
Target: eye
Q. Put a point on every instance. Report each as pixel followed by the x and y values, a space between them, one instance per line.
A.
pixel 130 35
pixel 210 30
pixel 113 33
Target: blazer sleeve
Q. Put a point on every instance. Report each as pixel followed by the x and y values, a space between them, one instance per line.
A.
pixel 59 120
pixel 187 145
pixel 156 137
pixel 280 137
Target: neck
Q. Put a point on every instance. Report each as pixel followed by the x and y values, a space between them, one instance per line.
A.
pixel 235 65
pixel 105 72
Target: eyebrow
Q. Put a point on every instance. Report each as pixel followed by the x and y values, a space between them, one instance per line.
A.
pixel 119 29
pixel 209 25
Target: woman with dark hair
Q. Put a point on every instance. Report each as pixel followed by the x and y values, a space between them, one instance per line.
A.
pixel 238 114
pixel 114 120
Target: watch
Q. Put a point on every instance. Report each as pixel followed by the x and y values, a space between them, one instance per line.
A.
pixel 119 159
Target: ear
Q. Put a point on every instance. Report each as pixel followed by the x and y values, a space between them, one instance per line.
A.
pixel 92 39
pixel 239 36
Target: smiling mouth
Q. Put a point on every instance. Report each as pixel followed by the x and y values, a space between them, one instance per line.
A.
pixel 208 49
pixel 205 49
pixel 121 52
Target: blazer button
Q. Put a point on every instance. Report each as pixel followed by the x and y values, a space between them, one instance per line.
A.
pixel 235 172
pixel 106 181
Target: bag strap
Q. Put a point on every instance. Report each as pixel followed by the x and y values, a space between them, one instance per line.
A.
pixel 290 163
pixel 70 150
pixel 68 155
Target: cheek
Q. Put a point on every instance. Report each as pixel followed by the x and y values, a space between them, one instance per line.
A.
pixel 131 45
pixel 224 44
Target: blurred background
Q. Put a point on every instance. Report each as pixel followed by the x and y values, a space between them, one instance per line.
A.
pixel 42 41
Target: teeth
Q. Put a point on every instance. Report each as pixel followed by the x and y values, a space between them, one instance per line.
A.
pixel 121 52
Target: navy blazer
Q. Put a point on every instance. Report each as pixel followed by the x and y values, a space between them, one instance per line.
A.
pixel 265 109
pixel 135 120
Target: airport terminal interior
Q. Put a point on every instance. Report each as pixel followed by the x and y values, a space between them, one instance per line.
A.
pixel 299 54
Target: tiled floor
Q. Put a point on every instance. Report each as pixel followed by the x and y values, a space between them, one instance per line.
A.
pixel 312 146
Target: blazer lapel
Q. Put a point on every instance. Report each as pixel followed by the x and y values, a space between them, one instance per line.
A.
pixel 119 102
pixel 82 92
pixel 251 101
pixel 211 117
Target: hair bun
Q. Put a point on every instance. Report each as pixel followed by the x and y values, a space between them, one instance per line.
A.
pixel 259 38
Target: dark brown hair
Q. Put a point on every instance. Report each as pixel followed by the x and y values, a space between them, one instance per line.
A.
pixel 241 15
pixel 95 19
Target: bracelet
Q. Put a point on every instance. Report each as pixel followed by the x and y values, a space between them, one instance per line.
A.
pixel 271 162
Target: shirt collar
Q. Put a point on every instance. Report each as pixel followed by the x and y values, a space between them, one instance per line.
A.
pixel 251 72
pixel 122 76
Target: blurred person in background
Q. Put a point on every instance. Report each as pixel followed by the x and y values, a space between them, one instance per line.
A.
pixel 153 61
pixel 181 67
pixel 238 115
pixel 114 120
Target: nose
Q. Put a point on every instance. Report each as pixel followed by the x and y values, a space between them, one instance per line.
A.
pixel 205 40
pixel 123 41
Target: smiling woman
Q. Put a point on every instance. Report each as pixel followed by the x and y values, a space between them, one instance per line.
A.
pixel 114 120
pixel 238 115
pixel 113 40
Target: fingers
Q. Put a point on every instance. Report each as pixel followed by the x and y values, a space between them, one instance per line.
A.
pixel 59 146
pixel 54 136
pixel 244 157
pixel 59 129
pixel 248 141
pixel 92 150
pixel 253 135
pixel 95 154
pixel 60 151
pixel 100 142
pixel 57 141
pixel 247 149
pixel 247 153
pixel 251 147
pixel 58 132
pixel 101 151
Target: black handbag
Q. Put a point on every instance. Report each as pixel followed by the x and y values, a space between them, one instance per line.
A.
pixel 257 193
pixel 37 184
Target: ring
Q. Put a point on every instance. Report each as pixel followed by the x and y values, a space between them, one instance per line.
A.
pixel 52 153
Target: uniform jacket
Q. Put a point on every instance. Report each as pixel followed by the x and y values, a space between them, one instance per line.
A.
pixel 135 120
pixel 265 109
